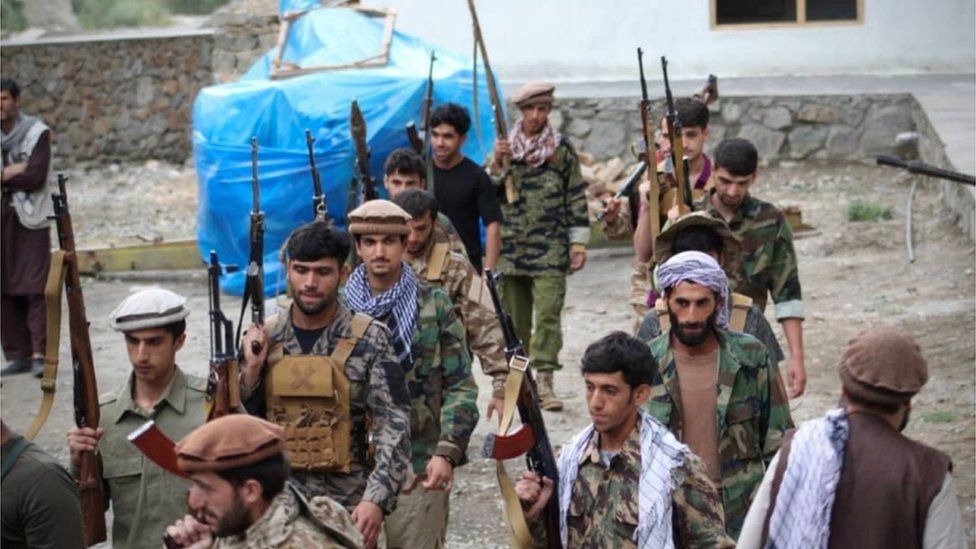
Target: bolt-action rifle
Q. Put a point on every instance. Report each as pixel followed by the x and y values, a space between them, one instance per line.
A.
pixel 320 210
pixel 83 366
pixel 682 197
pixel 422 147
pixel 647 131
pixel 531 438
pixel 254 282
pixel 223 393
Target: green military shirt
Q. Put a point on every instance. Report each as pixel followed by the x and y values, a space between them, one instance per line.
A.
pixel 145 498
pixel 39 506
pixel 603 508
pixel 753 414
pixel 443 393
pixel 769 265
pixel 549 215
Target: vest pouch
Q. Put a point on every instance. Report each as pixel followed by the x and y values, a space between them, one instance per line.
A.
pixel 308 396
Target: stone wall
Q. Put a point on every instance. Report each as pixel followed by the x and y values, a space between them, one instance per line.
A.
pixel 121 98
pixel 244 30
pixel 782 127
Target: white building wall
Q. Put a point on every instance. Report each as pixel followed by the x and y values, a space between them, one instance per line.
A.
pixel 587 40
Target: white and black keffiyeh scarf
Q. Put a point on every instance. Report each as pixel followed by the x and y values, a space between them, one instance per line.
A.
pixel 397 307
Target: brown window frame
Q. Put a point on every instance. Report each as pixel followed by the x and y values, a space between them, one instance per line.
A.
pixel 801 19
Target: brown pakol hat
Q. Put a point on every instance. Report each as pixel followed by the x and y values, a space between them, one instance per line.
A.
pixel 379 217
pixel 883 365
pixel 535 93
pixel 731 245
pixel 229 442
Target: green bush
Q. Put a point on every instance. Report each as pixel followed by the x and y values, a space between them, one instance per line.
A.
pixel 12 16
pixel 865 211
pixel 194 7
pixel 106 14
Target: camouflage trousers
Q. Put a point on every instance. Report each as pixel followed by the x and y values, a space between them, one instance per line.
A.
pixel 420 520
pixel 536 306
pixel 640 286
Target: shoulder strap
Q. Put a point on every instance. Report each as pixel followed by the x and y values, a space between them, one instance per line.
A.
pixel 740 310
pixel 360 323
pixel 11 459
pixel 663 319
pixel 52 300
pixel 438 259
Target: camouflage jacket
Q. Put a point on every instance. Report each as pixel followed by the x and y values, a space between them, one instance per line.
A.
pixel 379 406
pixel 458 279
pixel 443 393
pixel 444 231
pixel 549 216
pixel 769 265
pixel 603 505
pixel 291 522
pixel 753 413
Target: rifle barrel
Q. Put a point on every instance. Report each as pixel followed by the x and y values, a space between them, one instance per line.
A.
pixel 921 168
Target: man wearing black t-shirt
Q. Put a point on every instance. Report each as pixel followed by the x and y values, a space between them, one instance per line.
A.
pixel 463 188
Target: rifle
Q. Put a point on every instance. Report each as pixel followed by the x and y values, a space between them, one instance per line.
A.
pixel 921 168
pixel 647 127
pixel 682 197
pixel 320 211
pixel 425 117
pixel 497 109
pixel 223 393
pixel 254 283
pixel 363 181
pixel 709 92
pixel 531 438
pixel 628 187
pixel 85 385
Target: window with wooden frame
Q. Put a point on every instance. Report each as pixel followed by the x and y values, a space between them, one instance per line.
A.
pixel 784 13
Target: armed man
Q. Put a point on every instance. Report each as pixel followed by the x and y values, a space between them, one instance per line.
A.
pixel 144 497
pixel 716 389
pixel 625 481
pixel 769 266
pixel 429 342
pixel 405 170
pixel 546 229
pixel 240 496
pixel 443 269
pixel 331 379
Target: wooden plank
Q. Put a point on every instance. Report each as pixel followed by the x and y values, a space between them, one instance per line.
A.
pixel 162 256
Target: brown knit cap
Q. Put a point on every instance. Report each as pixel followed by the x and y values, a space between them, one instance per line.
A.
pixel 535 93
pixel 229 442
pixel 883 365
pixel 731 245
pixel 379 217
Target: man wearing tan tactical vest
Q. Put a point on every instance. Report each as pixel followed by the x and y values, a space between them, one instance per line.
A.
pixel 430 345
pixel 332 380
pixel 438 266
pixel 850 478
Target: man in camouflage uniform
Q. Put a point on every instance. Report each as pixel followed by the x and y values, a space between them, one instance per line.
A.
pixel 611 471
pixel 769 263
pixel 240 498
pixel 717 389
pixel 315 325
pixel 452 273
pixel 430 344
pixel 546 229
pixel 405 170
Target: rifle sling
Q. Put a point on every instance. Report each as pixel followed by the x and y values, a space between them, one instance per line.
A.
pixel 517 528
pixel 52 300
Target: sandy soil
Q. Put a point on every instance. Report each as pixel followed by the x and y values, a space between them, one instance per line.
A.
pixel 854 275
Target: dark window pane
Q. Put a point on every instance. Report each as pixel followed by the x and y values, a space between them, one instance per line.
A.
pixel 730 12
pixel 831 10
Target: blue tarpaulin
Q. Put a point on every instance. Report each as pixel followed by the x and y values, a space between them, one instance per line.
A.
pixel 278 112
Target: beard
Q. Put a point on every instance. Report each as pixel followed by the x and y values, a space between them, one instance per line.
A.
pixel 689 339
pixel 312 310
pixel 234 522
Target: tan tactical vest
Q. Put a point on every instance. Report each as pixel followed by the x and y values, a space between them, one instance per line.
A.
pixel 737 320
pixel 308 395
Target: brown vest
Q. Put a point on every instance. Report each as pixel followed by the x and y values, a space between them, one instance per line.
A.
pixel 887 484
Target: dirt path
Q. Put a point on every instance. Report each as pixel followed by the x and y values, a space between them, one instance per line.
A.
pixel 854 275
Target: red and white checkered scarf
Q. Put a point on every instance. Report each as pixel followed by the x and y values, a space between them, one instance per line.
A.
pixel 536 149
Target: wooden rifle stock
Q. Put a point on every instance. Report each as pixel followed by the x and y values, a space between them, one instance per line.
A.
pixel 677 146
pixel 223 391
pixel 85 384
pixel 647 126
pixel 709 92
pixel 155 445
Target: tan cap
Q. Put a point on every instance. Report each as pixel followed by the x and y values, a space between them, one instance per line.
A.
pixel 883 365
pixel 535 93
pixel 379 217
pixel 731 245
pixel 151 308
pixel 229 442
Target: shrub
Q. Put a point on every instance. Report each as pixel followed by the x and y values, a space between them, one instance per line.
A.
pixel 865 211
pixel 106 14
pixel 12 16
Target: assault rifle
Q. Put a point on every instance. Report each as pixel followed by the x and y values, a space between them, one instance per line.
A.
pixel 531 438
pixel 682 197
pixel 423 147
pixel 497 109
pixel 320 210
pixel 363 186
pixel 85 385
pixel 647 131
pixel 223 393
pixel 254 283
